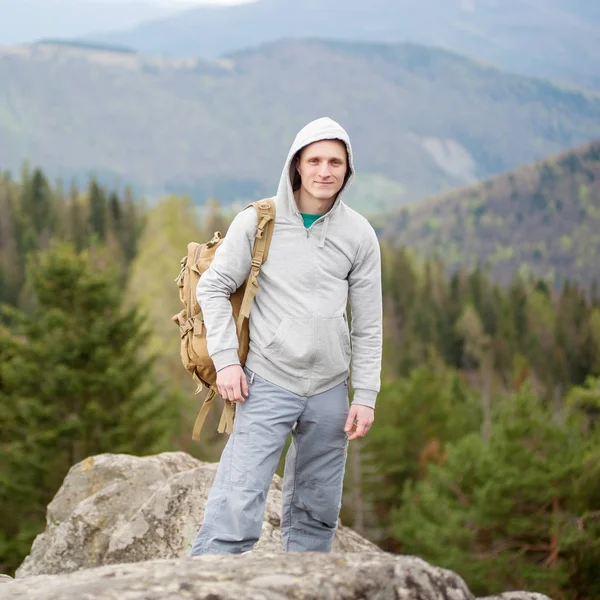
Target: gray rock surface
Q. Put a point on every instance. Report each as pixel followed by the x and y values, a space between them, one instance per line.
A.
pixel 121 526
pixel 116 508
pixel 368 576
pixel 517 596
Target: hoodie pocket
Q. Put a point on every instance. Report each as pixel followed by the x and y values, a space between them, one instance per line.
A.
pixel 292 345
pixel 319 344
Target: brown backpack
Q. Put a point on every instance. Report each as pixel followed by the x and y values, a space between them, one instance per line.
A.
pixel 194 351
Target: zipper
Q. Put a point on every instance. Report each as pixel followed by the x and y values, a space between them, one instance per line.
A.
pixel 321 218
pixel 315 306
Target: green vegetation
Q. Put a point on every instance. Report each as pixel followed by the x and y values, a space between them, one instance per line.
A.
pixel 74 380
pixel 422 120
pixel 542 219
pixel 518 511
pixel 73 383
pixel 33 212
pixel 484 455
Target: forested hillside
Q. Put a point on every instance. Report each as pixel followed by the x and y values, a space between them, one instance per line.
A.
pixel 422 120
pixel 75 376
pixel 542 219
pixel 545 38
pixel 484 454
pixel 34 211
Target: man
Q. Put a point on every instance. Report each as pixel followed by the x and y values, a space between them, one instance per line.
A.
pixel 296 375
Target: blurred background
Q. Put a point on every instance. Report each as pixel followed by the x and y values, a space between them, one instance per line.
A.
pixel 130 127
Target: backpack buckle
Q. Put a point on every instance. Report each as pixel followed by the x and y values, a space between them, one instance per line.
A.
pixel 186 327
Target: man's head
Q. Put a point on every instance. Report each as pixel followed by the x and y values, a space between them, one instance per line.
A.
pixel 321 169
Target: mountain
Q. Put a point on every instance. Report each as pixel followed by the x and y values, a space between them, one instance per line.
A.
pixel 29 20
pixel 555 39
pixel 542 219
pixel 422 120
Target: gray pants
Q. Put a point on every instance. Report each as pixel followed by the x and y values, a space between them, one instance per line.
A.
pixel 313 478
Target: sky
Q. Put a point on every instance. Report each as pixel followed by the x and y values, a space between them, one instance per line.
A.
pixel 175 2
pixel 214 1
pixel 77 18
pixel 207 1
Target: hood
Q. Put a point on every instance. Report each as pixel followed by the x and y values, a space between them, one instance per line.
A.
pixel 315 131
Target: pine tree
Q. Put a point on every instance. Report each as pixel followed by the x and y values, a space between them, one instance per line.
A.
pixel 10 266
pixel 508 513
pixel 98 209
pixel 416 417
pixel 132 219
pixel 73 383
pixel 36 201
pixel 478 354
pixel 77 220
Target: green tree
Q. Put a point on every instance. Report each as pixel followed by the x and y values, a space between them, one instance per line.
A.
pixel 10 265
pixel 73 383
pixel 36 201
pixel 517 512
pixel 132 220
pixel 416 417
pixel 478 354
pixel 98 209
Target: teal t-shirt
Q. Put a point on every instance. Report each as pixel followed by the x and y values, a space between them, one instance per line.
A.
pixel 309 219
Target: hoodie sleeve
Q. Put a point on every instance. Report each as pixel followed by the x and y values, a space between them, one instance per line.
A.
pixel 367 320
pixel 226 274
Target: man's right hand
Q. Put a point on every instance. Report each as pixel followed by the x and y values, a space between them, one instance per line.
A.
pixel 232 384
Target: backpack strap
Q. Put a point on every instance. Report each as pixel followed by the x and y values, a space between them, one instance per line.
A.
pixel 226 422
pixel 210 396
pixel 262 242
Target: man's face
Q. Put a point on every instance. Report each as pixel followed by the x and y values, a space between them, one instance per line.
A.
pixel 322 167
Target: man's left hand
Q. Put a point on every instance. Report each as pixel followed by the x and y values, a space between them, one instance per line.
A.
pixel 360 419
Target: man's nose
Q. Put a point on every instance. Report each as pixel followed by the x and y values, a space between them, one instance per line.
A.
pixel 324 170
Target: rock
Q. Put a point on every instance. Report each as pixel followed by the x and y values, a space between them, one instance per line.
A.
pixel 5 578
pixel 125 512
pixel 517 596
pixel 368 576
pixel 116 508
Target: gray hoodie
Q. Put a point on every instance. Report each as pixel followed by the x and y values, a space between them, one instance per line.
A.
pixel 299 338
